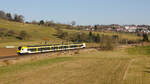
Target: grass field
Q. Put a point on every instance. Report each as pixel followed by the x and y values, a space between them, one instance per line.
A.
pixel 120 66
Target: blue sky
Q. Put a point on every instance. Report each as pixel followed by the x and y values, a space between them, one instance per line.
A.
pixel 84 12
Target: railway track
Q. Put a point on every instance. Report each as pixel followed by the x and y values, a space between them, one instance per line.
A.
pixel 5 57
pixel 13 57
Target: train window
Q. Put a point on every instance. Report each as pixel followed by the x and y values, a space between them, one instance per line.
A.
pixel 65 46
pixel 75 46
pixel 56 48
pixel 53 48
pixel 39 49
pixel 47 48
pixel 72 46
pixel 19 48
pixel 61 47
pixel 32 49
pixel 80 45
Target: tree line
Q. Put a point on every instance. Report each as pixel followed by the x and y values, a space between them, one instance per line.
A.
pixel 10 17
pixel 105 42
pixel 78 36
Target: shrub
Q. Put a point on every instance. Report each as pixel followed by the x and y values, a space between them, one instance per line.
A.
pixel 77 52
pixel 11 33
pixel 2 32
pixel 23 35
pixel 41 22
pixel 145 37
pixel 106 43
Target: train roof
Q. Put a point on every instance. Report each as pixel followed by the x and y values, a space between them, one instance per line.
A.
pixel 52 45
pixel 42 45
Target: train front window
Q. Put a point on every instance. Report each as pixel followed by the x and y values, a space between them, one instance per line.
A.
pixel 19 48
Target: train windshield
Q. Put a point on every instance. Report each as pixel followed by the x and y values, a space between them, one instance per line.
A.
pixel 19 48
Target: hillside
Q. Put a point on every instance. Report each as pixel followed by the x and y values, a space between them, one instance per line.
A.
pixel 36 34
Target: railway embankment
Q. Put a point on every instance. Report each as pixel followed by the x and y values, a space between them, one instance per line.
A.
pixel 14 59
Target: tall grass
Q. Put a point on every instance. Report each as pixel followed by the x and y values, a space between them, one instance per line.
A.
pixel 139 50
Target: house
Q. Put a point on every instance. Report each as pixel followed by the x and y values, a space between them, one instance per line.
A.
pixel 131 28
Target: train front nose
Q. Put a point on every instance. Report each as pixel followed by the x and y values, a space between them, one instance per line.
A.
pixel 19 50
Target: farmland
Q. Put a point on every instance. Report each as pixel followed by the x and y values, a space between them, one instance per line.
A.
pixel 119 66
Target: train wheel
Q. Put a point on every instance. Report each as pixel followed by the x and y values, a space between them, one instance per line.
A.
pixel 19 54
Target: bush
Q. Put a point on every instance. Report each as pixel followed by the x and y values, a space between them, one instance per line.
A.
pixel 106 43
pixel 79 37
pixel 23 35
pixel 11 33
pixel 2 32
pixel 145 37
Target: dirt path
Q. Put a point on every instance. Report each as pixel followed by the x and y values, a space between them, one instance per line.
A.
pixel 7 52
pixel 128 67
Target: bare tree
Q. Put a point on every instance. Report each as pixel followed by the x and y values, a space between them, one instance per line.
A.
pixel 9 17
pixel 23 35
pixel 18 18
pixel 3 15
pixel 49 23
pixel 73 23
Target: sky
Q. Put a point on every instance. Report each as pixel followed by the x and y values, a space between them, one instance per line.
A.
pixel 84 12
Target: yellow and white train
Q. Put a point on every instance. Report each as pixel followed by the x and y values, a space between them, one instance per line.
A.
pixel 48 48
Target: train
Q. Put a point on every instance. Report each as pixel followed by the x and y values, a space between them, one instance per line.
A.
pixel 48 48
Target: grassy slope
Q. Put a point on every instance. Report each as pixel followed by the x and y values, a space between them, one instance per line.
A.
pixel 97 67
pixel 37 33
